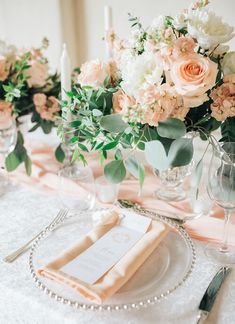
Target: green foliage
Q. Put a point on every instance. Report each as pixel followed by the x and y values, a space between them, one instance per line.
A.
pixel 155 155
pixel 18 155
pixel 136 168
pixel 59 154
pixel 113 123
pixel 171 128
pixel 115 171
pixel 180 153
pixel 228 130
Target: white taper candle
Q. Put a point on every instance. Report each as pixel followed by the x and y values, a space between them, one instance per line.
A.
pixel 108 24
pixel 65 73
pixel 65 68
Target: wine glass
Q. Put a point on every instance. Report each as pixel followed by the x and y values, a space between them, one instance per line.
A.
pixel 8 137
pixel 221 189
pixel 76 188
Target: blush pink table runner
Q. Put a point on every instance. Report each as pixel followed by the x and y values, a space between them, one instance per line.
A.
pixel 44 177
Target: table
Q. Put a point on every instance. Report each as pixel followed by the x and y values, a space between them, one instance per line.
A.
pixel 23 212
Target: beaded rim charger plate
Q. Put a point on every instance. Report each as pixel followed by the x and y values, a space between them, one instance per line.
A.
pixel 166 269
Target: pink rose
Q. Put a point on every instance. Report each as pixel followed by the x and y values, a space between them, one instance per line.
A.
pixel 46 107
pixel 93 73
pixel 5 114
pixel 193 75
pixel 122 101
pixel 37 73
pixel 4 69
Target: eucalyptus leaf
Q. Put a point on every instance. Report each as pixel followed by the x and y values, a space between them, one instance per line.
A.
pixel 113 123
pixel 155 155
pixel 135 167
pixel 12 161
pixel 181 152
pixel 171 128
pixel 115 171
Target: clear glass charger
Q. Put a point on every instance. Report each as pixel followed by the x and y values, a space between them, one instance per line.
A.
pixel 167 268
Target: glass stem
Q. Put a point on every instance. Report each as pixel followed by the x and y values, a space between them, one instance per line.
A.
pixel 227 213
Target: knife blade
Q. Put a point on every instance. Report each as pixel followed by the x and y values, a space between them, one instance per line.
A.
pixel 125 203
pixel 211 292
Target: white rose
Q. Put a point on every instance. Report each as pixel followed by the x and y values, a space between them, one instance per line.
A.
pixel 228 63
pixel 139 72
pixel 208 29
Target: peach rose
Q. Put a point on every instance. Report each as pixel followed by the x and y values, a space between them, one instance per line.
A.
pixel 37 73
pixel 5 114
pixel 93 73
pixel 122 101
pixel 193 75
pixel 4 69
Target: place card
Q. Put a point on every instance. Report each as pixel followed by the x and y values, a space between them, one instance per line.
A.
pixel 99 258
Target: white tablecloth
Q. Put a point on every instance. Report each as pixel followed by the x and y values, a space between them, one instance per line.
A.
pixel 23 212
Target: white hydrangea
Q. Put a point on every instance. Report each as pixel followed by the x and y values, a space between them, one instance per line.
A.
pixel 208 29
pixel 139 72
pixel 228 63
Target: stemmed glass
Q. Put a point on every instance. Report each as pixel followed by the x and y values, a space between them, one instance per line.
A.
pixel 221 189
pixel 8 137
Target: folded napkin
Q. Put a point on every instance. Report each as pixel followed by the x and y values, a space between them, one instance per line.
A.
pixel 119 274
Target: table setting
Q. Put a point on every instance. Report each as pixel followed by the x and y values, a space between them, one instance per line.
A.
pixel 117 180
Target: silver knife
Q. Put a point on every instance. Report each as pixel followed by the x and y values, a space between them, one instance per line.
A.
pixel 209 297
pixel 136 207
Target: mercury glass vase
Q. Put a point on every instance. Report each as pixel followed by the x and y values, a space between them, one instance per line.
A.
pixel 171 182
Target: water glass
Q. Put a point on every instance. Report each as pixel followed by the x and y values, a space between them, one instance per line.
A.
pixel 106 192
pixel 76 188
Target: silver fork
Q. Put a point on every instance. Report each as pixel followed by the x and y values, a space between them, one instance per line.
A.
pixel 13 256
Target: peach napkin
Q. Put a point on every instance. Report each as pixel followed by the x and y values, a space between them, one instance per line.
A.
pixel 120 273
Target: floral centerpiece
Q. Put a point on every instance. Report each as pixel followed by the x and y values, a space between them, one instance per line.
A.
pixel 174 77
pixel 26 87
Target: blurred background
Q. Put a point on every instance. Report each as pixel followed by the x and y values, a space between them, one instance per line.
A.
pixel 80 23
